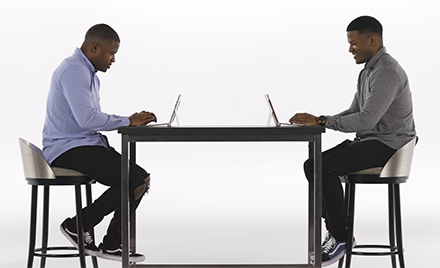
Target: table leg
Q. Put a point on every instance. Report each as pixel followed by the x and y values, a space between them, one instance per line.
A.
pixel 133 216
pixel 125 205
pixel 311 217
pixel 317 154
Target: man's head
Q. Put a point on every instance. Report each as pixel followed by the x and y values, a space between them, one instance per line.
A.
pixel 100 45
pixel 365 38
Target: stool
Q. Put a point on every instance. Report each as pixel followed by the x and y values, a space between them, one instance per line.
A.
pixel 38 173
pixel 395 172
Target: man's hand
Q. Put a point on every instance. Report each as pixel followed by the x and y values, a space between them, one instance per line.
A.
pixel 142 118
pixel 304 119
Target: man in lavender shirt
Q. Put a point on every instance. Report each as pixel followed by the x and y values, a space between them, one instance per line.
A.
pixel 71 139
pixel 381 114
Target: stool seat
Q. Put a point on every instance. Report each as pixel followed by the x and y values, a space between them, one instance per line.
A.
pixel 57 171
pixel 369 178
pixel 395 172
pixel 38 173
pixel 64 180
pixel 370 171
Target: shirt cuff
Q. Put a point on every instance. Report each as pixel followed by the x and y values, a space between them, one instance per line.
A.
pixel 125 121
pixel 329 122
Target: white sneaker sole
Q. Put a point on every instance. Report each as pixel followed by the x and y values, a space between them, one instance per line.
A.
pixel 119 258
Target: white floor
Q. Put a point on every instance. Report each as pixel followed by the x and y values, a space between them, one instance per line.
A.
pixel 279 245
pixel 208 219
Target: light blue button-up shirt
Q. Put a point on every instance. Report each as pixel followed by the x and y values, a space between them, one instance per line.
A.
pixel 73 113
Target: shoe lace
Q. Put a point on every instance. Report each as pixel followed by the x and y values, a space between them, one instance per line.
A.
pixel 88 238
pixel 326 239
pixel 329 245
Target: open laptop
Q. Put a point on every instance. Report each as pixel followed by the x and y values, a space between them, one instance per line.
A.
pixel 273 115
pixel 172 118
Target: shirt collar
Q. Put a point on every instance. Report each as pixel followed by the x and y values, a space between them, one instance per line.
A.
pixel 78 52
pixel 371 63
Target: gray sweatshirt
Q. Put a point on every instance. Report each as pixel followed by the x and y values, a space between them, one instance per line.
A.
pixel 382 106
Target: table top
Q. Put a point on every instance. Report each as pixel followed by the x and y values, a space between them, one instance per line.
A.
pixel 220 133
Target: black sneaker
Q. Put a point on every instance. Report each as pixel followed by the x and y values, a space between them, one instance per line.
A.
pixel 334 251
pixel 89 246
pixel 326 239
pixel 115 254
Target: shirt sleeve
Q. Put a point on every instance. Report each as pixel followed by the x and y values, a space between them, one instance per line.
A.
pixel 83 100
pixel 383 87
pixel 354 107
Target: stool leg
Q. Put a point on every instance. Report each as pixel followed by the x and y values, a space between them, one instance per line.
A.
pixel 79 226
pixel 341 262
pixel 45 225
pixel 391 223
pixel 33 226
pixel 92 232
pixel 399 225
pixel 350 224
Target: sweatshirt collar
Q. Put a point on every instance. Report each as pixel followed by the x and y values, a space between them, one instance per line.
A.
pixel 372 63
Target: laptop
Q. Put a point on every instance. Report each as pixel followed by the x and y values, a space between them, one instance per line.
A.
pixel 172 118
pixel 273 115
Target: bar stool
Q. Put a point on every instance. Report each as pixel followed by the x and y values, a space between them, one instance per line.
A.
pixel 395 171
pixel 38 173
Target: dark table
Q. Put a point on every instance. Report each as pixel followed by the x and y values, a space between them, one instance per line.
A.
pixel 312 135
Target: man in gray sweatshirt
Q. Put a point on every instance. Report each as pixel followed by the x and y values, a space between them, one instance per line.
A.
pixel 381 114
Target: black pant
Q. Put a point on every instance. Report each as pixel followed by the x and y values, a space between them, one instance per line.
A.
pixel 104 166
pixel 349 156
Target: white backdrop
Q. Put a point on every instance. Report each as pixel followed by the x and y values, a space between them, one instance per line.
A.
pixel 229 202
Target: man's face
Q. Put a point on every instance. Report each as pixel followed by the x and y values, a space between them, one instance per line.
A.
pixel 361 46
pixel 104 55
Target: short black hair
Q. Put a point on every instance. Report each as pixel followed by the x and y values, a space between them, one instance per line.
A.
pixel 365 24
pixel 102 32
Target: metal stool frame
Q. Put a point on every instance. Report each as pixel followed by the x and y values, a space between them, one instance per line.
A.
pixel 395 172
pixel 39 173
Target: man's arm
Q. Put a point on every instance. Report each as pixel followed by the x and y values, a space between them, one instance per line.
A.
pixel 383 89
pixel 311 120
pixel 354 107
pixel 76 86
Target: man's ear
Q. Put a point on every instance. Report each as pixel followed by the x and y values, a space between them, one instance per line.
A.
pixel 95 47
pixel 373 40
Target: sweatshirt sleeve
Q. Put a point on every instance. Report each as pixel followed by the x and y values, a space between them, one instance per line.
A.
pixel 378 96
pixel 354 107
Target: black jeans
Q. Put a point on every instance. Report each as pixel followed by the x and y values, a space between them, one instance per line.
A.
pixel 349 156
pixel 104 166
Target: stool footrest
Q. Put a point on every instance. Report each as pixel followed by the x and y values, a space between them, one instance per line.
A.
pixel 62 255
pixel 393 250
